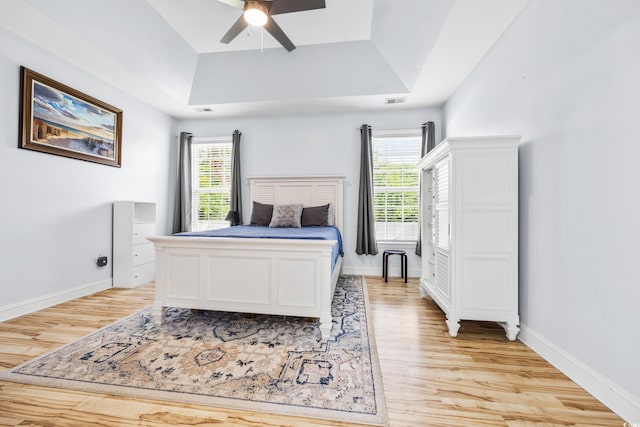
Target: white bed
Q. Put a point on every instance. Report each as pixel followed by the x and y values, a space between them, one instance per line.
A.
pixel 267 276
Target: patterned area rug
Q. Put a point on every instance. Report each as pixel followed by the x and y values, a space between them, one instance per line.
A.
pixel 257 363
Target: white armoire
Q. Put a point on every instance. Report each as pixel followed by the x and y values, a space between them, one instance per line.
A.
pixel 470 230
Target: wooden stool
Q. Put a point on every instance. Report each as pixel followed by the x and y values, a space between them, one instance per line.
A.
pixel 403 263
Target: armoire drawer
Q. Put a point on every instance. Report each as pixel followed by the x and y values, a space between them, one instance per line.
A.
pixel 142 231
pixel 143 273
pixel 143 253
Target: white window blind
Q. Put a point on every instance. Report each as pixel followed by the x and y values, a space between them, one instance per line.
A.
pixel 395 186
pixel 210 185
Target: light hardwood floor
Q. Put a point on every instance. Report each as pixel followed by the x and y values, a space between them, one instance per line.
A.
pixel 430 379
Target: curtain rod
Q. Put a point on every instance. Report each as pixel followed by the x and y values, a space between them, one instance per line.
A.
pixel 208 136
pixel 205 136
pixel 395 130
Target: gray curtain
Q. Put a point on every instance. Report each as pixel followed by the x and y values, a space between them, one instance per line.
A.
pixel 235 209
pixel 366 233
pixel 182 210
pixel 428 142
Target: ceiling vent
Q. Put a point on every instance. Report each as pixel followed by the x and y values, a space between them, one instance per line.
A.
pixel 398 100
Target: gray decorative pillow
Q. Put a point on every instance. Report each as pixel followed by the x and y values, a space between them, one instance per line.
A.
pixel 286 216
pixel 315 215
pixel 261 214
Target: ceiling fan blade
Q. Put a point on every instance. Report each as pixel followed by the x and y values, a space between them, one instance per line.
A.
pixel 238 4
pixel 277 33
pixel 235 29
pixel 277 7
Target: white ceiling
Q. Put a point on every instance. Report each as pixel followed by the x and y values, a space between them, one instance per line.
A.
pixel 350 56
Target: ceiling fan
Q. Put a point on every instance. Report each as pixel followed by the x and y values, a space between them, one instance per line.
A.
pixel 260 12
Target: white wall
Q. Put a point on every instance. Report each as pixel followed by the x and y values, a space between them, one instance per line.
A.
pixel 316 145
pixel 56 212
pixel 565 76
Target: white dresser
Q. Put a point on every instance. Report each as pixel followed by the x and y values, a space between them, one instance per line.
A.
pixel 133 254
pixel 470 230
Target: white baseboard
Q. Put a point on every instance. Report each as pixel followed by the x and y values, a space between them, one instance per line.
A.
pixel 377 271
pixel 611 395
pixel 25 307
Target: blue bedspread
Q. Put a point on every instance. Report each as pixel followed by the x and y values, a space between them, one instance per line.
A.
pixel 260 232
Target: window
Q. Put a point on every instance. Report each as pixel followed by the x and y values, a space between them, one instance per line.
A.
pixel 396 185
pixel 210 183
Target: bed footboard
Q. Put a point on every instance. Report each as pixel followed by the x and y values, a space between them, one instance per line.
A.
pixel 266 276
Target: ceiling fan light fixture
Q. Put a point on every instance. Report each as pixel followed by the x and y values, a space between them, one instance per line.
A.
pixel 255 13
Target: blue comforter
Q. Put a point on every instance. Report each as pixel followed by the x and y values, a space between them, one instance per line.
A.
pixel 260 232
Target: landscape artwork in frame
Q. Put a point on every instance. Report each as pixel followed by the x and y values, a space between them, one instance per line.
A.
pixel 57 119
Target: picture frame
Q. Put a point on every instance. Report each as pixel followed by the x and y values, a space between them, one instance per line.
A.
pixel 57 119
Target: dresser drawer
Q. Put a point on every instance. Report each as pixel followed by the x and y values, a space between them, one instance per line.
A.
pixel 142 231
pixel 143 253
pixel 143 273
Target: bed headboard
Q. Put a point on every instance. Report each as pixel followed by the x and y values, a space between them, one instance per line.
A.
pixel 308 190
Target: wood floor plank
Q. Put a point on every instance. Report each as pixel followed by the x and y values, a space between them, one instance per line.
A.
pixel 430 379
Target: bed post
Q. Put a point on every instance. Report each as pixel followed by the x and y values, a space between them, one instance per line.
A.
pixel 326 296
pixel 157 310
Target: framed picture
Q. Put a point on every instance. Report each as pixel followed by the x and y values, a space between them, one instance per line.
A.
pixel 57 119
